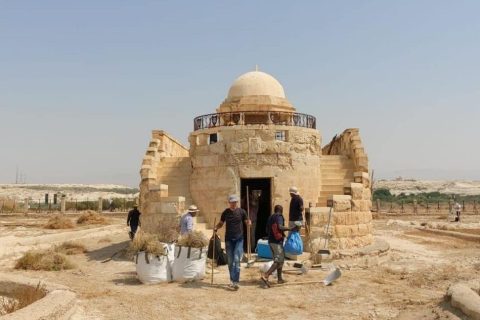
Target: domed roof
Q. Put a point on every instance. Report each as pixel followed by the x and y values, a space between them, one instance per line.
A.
pixel 256 83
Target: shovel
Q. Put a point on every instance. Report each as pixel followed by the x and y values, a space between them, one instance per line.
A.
pixel 325 246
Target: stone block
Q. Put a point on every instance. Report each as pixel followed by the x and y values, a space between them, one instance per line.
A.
pixel 341 203
pixel 362 177
pixel 363 230
pixel 357 191
pixel 367 194
pixel 318 216
pixel 361 205
pixel 339 218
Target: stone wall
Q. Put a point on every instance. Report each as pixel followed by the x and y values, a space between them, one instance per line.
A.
pixel 252 151
pixel 161 146
pixel 349 144
pixel 351 223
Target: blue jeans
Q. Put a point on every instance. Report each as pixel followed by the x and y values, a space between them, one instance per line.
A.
pixel 234 250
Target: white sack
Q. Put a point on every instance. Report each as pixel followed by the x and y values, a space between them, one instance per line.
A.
pixel 189 263
pixel 152 269
pixel 266 266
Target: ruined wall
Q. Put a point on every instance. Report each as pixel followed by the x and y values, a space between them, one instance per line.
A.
pixel 252 151
pixel 161 146
pixel 349 144
pixel 351 224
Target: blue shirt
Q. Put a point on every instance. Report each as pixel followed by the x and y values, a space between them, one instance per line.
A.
pixel 186 224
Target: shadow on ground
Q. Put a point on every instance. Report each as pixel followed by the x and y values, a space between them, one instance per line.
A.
pixel 115 252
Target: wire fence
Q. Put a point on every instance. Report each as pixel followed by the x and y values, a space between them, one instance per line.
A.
pixel 71 205
pixel 424 207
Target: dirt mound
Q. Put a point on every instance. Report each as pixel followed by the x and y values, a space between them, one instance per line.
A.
pixel 59 222
pixel 47 260
pixel 91 217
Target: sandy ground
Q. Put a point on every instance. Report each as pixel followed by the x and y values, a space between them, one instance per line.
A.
pixel 410 285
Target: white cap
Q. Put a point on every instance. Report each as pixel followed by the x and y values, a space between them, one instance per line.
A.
pixel 193 208
pixel 233 198
pixel 293 190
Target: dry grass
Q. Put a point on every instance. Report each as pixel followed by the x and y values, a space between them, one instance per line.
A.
pixel 59 222
pixel 166 229
pixel 195 239
pixel 22 297
pixel 105 240
pixel 91 217
pixel 147 242
pixel 70 248
pixel 47 260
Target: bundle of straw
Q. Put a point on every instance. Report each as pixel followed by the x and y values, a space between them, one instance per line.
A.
pixel 147 242
pixel 194 239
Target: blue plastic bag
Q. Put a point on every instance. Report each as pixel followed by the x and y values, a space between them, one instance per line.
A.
pixel 294 244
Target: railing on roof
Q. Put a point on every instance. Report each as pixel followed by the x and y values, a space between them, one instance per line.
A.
pixel 254 117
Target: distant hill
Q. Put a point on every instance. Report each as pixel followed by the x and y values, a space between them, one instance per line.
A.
pixel 72 191
pixel 411 186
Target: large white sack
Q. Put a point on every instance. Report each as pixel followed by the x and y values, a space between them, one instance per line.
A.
pixel 171 258
pixel 152 269
pixel 189 263
pixel 266 266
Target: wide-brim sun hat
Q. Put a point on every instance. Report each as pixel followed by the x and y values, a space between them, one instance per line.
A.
pixel 233 198
pixel 293 190
pixel 193 208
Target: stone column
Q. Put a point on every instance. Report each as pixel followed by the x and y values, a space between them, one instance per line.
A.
pixel 63 203
pixel 100 203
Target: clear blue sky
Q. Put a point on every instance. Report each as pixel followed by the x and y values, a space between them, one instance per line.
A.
pixel 82 83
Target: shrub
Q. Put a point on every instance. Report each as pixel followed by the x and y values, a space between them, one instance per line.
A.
pixel 70 248
pixel 91 217
pixel 59 222
pixel 47 260
pixel 22 297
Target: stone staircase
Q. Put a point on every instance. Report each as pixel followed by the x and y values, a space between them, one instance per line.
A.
pixel 336 171
pixel 175 172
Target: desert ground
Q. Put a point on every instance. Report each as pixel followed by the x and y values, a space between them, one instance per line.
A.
pixel 410 283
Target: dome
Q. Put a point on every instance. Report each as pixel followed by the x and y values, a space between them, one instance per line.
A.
pixel 256 83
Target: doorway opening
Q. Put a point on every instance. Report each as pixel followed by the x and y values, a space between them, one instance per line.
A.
pixel 260 199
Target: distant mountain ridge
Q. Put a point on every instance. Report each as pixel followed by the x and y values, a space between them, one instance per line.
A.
pixel 72 191
pixel 412 186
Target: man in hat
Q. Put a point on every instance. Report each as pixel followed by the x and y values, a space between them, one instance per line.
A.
pixel 133 220
pixel 295 214
pixel 186 222
pixel 234 218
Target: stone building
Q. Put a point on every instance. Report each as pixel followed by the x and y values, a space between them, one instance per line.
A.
pixel 257 139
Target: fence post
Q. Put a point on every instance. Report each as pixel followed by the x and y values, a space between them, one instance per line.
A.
pixel 475 206
pixel 415 206
pixel 403 209
pixel 14 205
pixel 76 205
pixel 463 207
pixel 38 209
pixel 125 205
pixel 100 205
pixel 1 208
pixel 428 207
pixel 26 206
pixel 63 204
